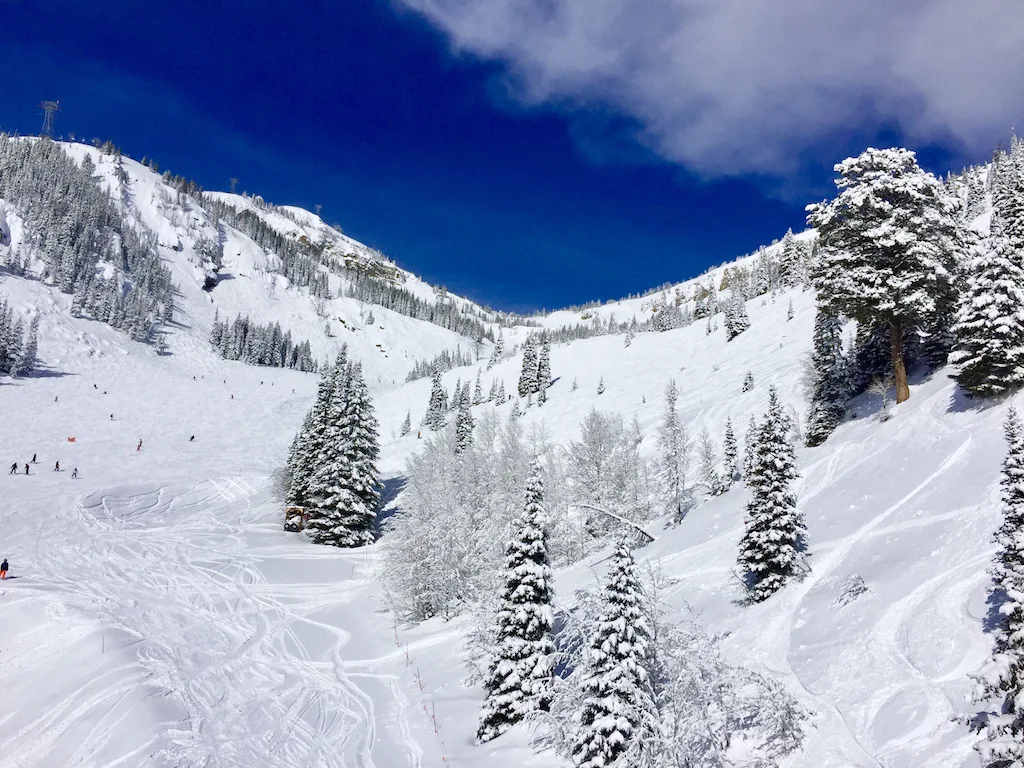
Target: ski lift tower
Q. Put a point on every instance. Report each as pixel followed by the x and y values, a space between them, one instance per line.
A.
pixel 49 109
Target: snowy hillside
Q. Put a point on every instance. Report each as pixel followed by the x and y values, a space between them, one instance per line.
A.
pixel 157 614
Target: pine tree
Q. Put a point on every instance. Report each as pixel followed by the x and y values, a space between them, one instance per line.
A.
pixel 544 366
pixel 749 448
pixel 26 360
pixel 498 351
pixel 736 320
pixel 830 388
pixel 630 335
pixel 600 386
pixel 312 435
pixel 345 489
pixel 519 678
pixel 708 463
pixel 1001 679
pixel 673 457
pixel 438 406
pixel 501 392
pixel 463 427
pixel 989 329
pixel 730 453
pixel 1008 199
pixel 773 533
pixel 789 311
pixel 528 373
pixel 575 384
pixel 891 247
pixel 478 391
pixel 406 424
pixel 492 393
pixel 618 699
pixel 748 381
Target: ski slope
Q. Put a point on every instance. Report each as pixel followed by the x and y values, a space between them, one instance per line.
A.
pixel 157 615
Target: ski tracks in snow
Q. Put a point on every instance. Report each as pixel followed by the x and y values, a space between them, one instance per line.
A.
pixel 224 610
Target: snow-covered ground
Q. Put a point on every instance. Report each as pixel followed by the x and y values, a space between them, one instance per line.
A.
pixel 158 615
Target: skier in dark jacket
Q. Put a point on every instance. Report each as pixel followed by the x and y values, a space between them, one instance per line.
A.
pixel 26 469
pixel 33 458
pixel 74 473
pixel 3 569
pixel 56 467
pixel 14 468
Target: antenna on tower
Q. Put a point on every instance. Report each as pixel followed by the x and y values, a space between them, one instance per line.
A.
pixel 234 184
pixel 49 108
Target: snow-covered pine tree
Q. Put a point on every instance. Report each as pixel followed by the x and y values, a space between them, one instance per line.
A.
pixel 345 488
pixel 736 320
pixel 773 533
pixel 830 388
pixel 575 384
pixel 544 367
pixel 630 335
pixel 789 311
pixel 600 386
pixel 673 457
pixel 478 390
pixel 749 448
pixel 748 381
pixel 790 260
pixel 1008 198
pixel 498 351
pixel 1001 679
pixel 26 360
pixel 892 247
pixel 730 454
pixel 520 674
pixel 501 392
pixel 312 435
pixel 438 406
pixel 708 463
pixel 988 350
pixel 406 424
pixel 618 701
pixel 528 373
pixel 463 427
pixel 492 393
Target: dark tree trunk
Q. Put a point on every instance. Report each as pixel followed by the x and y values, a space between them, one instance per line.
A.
pixel 899 368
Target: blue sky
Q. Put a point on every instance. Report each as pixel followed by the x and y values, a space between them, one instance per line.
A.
pixel 444 138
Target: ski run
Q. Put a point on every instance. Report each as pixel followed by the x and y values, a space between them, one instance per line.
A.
pixel 156 612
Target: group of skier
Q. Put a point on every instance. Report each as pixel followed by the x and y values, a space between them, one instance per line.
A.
pixel 56 467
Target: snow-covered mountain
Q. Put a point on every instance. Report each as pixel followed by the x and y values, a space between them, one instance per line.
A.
pixel 159 615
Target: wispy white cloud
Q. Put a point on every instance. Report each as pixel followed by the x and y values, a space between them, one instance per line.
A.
pixel 730 87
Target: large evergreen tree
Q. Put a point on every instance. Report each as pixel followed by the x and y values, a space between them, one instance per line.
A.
pixel 989 332
pixel 303 460
pixel 773 533
pixel 736 320
pixel 891 247
pixel 520 675
pixel 438 406
pixel 730 454
pixel 618 700
pixel 1001 680
pixel 1008 198
pixel 543 370
pixel 528 373
pixel 673 457
pixel 830 388
pixel 344 490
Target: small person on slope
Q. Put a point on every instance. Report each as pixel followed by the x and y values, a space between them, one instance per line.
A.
pixel 3 569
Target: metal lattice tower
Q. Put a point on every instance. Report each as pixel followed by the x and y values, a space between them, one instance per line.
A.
pixel 49 108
